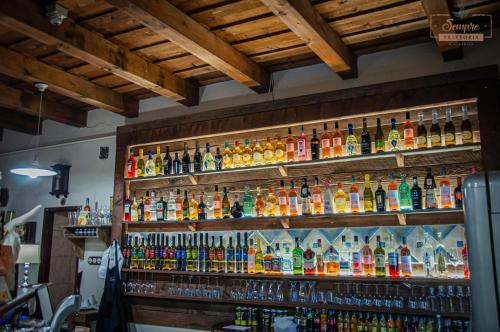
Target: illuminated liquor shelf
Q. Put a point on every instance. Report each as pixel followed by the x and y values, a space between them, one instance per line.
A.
pixel 370 219
pixel 460 155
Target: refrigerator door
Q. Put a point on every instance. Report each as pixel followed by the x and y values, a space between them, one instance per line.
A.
pixel 481 248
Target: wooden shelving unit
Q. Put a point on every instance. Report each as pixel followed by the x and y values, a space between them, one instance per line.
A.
pixel 102 233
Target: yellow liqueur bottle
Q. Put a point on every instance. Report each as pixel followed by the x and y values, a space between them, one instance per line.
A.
pixel 340 199
pixel 269 152
pixel 368 195
pixel 247 154
pixel 259 258
pixel 158 162
pixel 227 157
pixel 435 130
pixel 237 155
pixel 279 151
pixel 193 208
pixel 271 203
pixel 140 164
pixel 258 153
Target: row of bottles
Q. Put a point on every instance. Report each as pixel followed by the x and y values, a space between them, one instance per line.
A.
pixel 160 252
pixel 327 145
pixel 316 200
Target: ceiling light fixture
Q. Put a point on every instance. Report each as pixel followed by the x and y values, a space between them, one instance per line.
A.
pixel 35 170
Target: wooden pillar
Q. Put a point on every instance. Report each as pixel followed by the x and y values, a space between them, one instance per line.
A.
pixel 122 142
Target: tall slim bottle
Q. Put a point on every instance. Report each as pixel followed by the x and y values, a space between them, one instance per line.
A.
pixel 227 157
pixel 149 170
pixel 279 151
pixel 351 142
pixel 176 164
pixel 251 258
pixel 416 195
pixel 247 153
pixel 301 145
pixel 435 130
pixel 315 145
pixel 366 141
pixel 258 153
pixel 269 152
pixel 259 258
pixel 340 199
pixel 379 254
pixel 393 258
pixel 309 260
pixel 140 164
pixel 428 257
pixel 221 256
pixel 379 138
pixel 380 197
pixel 282 199
pixel 421 132
pixel 337 141
pixel 394 137
pixel 368 195
pixel 197 158
pixel 208 160
pixel 317 197
pixel 230 257
pixel 320 262
pixel 131 165
pixel 457 194
pixel 430 190
pixel 226 207
pixel 344 253
pixel 325 142
pixel 297 254
pixel 158 162
pixel 404 194
pixel 406 264
pixel 392 188
pixel 408 135
pixel 167 162
pixel 212 256
pixel 354 196
pixel 293 200
pixel 238 254
pixel 217 205
pixel 244 254
pixel 466 127
pixel 449 129
pixel 237 155
pixel 305 196
pixel 367 258
pixel 271 203
pixel 186 160
pixel 356 257
pixel 290 146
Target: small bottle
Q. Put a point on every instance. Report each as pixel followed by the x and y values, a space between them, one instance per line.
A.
pixel 325 142
pixel 290 147
pixel 408 135
pixel 247 154
pixel 237 155
pixel 466 127
pixel 449 129
pixel 393 137
pixel 337 141
pixel 351 141
pixel 379 254
pixel 392 188
pixel 380 197
pixel 366 141
pixel 227 157
pixel 457 193
pixel 186 160
pixel 368 195
pixel 269 152
pixel 379 138
pixel 406 264
pixel 367 258
pixel 421 132
pixel 332 260
pixel 279 151
pixel 416 195
pixel 293 200
pixel 302 145
pixel 354 196
pixel 435 130
pixel 258 153
pixel 404 195
pixel 340 199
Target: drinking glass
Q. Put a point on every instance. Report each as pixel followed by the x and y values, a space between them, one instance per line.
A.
pixel 262 290
pixel 312 296
pixel 455 259
pixel 280 296
pixel 302 292
pixel 294 291
pixel 270 291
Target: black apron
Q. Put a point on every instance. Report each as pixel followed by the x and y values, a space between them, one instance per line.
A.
pixel 111 312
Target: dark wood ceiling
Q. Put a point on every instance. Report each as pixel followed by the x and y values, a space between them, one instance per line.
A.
pixel 244 39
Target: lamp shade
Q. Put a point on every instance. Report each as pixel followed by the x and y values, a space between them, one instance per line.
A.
pixel 29 253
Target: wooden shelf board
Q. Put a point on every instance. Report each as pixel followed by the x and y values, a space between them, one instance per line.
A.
pixel 71 227
pixel 370 219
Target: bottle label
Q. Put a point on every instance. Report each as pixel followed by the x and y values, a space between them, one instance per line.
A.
pixel 367 259
pixel 325 143
pixel 217 204
pixel 226 159
pixel 406 264
pixel 287 265
pixel 297 262
pixel 270 207
pixel 268 265
pixel 354 200
pixel 466 135
pixel 449 137
pixel 436 139
pixel 430 199
pixel 317 198
pixel 393 198
pixel 159 213
pixel 337 141
pixel 445 195
pixel 422 140
pixel 293 203
pixel 247 158
pixel 129 166
pixel 356 261
pixel 276 264
pixel 126 208
pixel 251 263
pixel 350 148
pixel 408 133
pixel 339 203
pixel 172 206
pixel 147 208
pixel 344 264
pixel 379 261
pixel 301 147
pixel 392 259
pixel 394 143
pixel 309 263
pixel 192 210
pixel 290 147
pixel 327 206
pixel 268 154
pixel 257 156
pixel 279 153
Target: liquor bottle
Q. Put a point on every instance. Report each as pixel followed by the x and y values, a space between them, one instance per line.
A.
pixel 277 261
pixel 283 199
pixel 325 142
pixel 366 141
pixel 309 261
pixel 185 207
pixel 134 210
pixel 393 192
pixel 236 209
pixel 227 157
pixel 149 169
pixel 317 197
pixel 178 206
pixel 217 204
pixel 178 254
pixel 147 207
pixel 301 145
pixel 238 255
pixel 449 129
pixel 421 132
pixel 202 209
pixel 184 253
pixel 134 255
pixel 258 153
pixel 416 195
pixel 152 207
pixel 195 253
pixel 332 260
pixel 186 160
pixel 202 256
pixel 457 193
pixel 126 252
pixel 430 190
pixel 290 147
pixel 406 265
pixel 287 262
pixel 466 127
pixel 260 205
pixel 354 195
pixel 221 256
pixel 380 197
pixel 293 200
pixel 368 195
pixel 244 254
pixel 315 145
pixel 345 260
pixel 206 249
pixel 327 198
pixel 226 206
pixel 269 152
pixel 445 190
pixel 127 207
pixel 367 258
pixel 197 158
pixel 393 258
pixel 404 194
pixel 171 207
pixel 172 255
pixel 379 138
pixel 351 142
pixel 337 141
pixel 160 209
pixel 305 196
pixel 393 137
pixel 251 258
pixel 212 256
pixel 208 160
pixel 247 203
pixel 142 255
pixel 189 256
pixel 140 210
pixel 158 162
pixel 140 164
pixel 440 257
pixel 297 254
pixel 279 151
pixel 270 203
pixel 259 258
pixel 340 199
pixel 165 264
pixel 320 262
pixel 247 153
pixel 176 164
pixel 230 257
pixel 193 208
pixel 408 135
pixel 465 261
pixel 435 130
pixel 131 165
pixel 428 257
pixel 237 155
pixel 161 253
pixel 167 162
pixel 379 254
pixel 218 159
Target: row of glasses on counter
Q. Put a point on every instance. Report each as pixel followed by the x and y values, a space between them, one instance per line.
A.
pixel 315 200
pixel 327 145
pixel 159 252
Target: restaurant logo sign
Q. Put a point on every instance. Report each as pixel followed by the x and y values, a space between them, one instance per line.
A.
pixel 463 28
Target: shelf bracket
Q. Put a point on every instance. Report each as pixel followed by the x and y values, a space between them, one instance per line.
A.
pixel 402 219
pixel 192 226
pixel 285 223
pixel 400 159
pixel 193 179
pixel 283 170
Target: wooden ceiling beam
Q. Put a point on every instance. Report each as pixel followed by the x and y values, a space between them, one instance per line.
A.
pixel 438 13
pixel 26 17
pixel 16 121
pixel 173 24
pixel 28 103
pixel 29 69
pixel 306 22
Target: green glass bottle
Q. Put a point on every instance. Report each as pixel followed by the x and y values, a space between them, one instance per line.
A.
pixel 247 203
pixel 379 254
pixel 404 194
pixel 297 254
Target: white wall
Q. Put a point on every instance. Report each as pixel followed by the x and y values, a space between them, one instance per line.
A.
pixel 91 177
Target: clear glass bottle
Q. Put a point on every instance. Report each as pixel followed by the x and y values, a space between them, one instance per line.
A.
pixel 153 216
pixel 258 153
pixel 394 137
pixel 320 261
pixel 287 264
pixel 356 258
pixel 445 190
pixel 340 199
pixel 428 257
pixel 208 160
pixel 150 165
pixel 282 199
pixel 327 198
pixel 351 141
pixel 218 159
pixel 171 207
pixel 345 260
pixel 269 152
pixel 441 258
pixel 293 203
